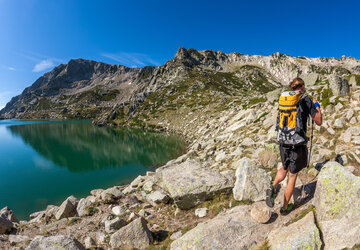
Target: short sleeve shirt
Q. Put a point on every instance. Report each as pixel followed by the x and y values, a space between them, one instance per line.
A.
pixel 308 108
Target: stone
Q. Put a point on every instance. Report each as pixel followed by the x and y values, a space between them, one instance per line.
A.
pixel 89 242
pixel 37 214
pixel 6 212
pixel 5 225
pixel 157 197
pixel 67 208
pixel 194 185
pixel 339 85
pixel 261 213
pixel 339 123
pixel 339 107
pixel 309 78
pixel 113 225
pixel 221 156
pixel 132 216
pixel 331 131
pixel 129 190
pixel 148 186
pixel 248 142
pixel 111 194
pixel 55 243
pixel 83 206
pixel 201 212
pixel 233 229
pixel 137 181
pixel 337 205
pixel 118 210
pixel 176 235
pixel 353 121
pixel 134 235
pixel 351 169
pixel 302 234
pixel 14 239
pixel 273 95
pixel 100 238
pixel 349 114
pixel 246 188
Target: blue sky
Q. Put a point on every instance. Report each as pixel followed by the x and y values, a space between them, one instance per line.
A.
pixel 36 35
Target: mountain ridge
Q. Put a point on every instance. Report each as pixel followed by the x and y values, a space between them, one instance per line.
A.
pixel 89 89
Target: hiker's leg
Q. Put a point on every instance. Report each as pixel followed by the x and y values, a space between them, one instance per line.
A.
pixel 280 176
pixel 289 188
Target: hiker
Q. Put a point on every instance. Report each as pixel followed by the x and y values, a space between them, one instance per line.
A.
pixel 294 109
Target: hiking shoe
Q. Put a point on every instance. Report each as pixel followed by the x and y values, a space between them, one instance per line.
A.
pixel 286 211
pixel 270 196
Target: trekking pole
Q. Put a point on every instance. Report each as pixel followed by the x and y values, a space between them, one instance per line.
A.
pixel 303 194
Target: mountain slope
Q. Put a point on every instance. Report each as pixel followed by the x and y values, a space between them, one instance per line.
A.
pixel 87 89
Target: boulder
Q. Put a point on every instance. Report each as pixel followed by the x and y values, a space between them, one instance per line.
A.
pixel 67 208
pixel 337 203
pixel 194 185
pixel 251 181
pixel 273 95
pixel 148 186
pixel 201 212
pixel 100 238
pixel 234 229
pixel 83 207
pixel 134 235
pixel 302 234
pixel 6 212
pixel 261 213
pixel 339 85
pixel 89 242
pixel 113 225
pixel 349 114
pixel 176 235
pixel 339 123
pixel 5 225
pixel 310 78
pixel 55 243
pixel 157 197
pixel 14 239
pixel 118 210
pixel 111 194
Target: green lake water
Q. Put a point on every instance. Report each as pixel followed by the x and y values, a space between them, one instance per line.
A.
pixel 44 162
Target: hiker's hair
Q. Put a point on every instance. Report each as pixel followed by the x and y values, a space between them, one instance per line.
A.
pixel 296 83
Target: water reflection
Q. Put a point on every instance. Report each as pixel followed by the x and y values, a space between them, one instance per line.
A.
pixel 82 147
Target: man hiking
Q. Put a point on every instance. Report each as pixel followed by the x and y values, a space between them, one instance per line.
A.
pixel 294 109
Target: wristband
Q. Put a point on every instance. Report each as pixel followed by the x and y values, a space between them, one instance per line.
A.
pixel 317 105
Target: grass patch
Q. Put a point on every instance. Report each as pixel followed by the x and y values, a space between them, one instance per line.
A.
pixel 72 221
pixel 254 101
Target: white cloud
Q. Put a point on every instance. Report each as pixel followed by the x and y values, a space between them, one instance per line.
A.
pixel 43 65
pixel 11 68
pixel 131 59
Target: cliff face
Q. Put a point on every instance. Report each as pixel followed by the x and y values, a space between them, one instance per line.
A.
pixel 89 89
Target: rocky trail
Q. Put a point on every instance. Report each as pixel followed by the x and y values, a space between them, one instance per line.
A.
pixel 212 197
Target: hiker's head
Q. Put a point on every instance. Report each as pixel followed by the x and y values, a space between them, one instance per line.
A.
pixel 297 84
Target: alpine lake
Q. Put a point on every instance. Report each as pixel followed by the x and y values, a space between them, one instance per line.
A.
pixel 43 162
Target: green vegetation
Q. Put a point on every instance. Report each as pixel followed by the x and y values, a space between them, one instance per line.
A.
pixel 44 104
pixel 256 100
pixel 326 94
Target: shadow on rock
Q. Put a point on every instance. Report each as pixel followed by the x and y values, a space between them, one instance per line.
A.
pixel 309 191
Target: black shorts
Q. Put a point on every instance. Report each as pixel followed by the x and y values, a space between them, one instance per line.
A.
pixel 296 158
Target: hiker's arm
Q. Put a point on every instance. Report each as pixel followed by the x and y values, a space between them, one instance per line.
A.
pixel 317 117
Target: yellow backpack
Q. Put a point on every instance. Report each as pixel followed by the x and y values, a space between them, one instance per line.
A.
pixel 289 125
